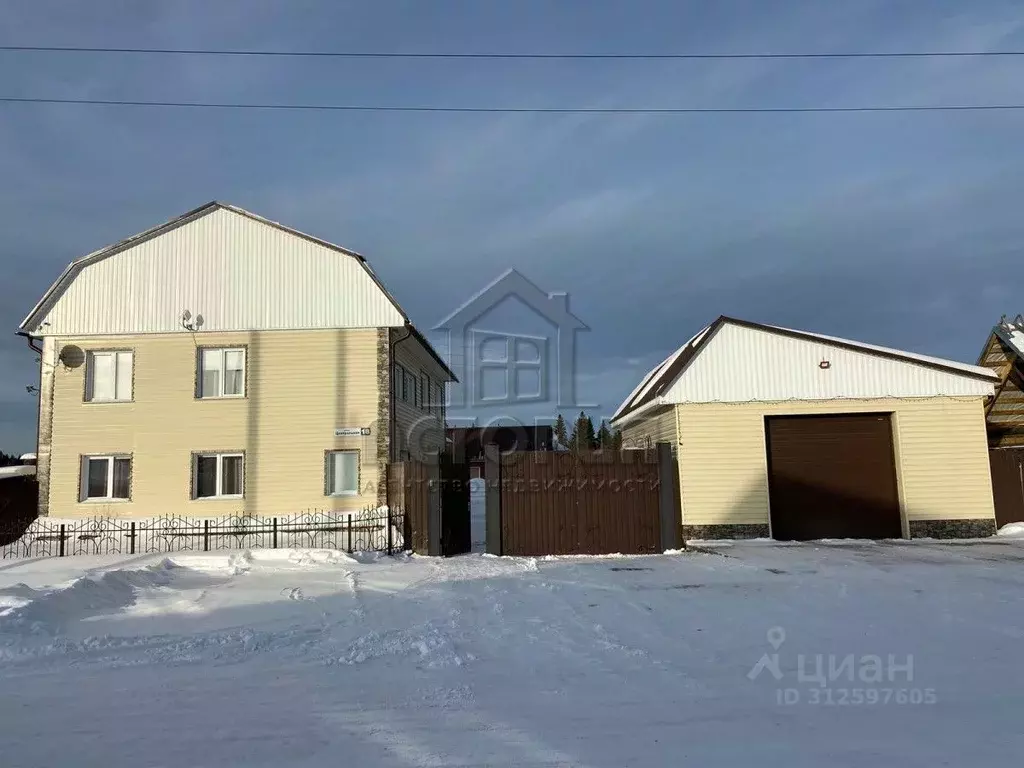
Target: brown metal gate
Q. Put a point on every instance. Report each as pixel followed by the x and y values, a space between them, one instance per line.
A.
pixel 433 498
pixel 832 476
pixel 1007 484
pixel 567 504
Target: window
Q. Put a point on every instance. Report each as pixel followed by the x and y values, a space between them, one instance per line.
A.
pixel 439 398
pixel 105 478
pixel 342 473
pixel 221 373
pixel 108 377
pixel 409 393
pixel 424 391
pixel 399 382
pixel 218 475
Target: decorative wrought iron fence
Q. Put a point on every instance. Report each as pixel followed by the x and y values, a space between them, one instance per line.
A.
pixel 375 529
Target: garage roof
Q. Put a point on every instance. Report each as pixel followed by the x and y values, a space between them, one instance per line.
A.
pixel 883 371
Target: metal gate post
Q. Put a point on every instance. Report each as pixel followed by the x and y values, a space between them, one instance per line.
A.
pixel 668 500
pixel 492 497
pixel 434 511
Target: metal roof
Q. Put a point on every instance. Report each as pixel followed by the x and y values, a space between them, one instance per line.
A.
pixel 658 382
pixel 30 326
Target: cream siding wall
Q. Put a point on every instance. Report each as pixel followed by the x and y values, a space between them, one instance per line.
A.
pixel 300 386
pixel 940 445
pixel 659 427
pixel 418 430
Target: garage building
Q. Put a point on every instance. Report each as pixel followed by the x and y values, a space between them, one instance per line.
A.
pixel 800 436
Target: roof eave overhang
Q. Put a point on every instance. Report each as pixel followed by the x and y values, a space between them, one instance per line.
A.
pixel 638 412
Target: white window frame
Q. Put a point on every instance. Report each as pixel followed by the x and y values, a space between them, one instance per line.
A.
pixel 222 352
pixel 220 456
pixel 83 493
pixel 90 375
pixel 328 468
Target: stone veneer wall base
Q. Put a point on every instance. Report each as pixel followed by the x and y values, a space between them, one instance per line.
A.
pixel 952 529
pixel 747 531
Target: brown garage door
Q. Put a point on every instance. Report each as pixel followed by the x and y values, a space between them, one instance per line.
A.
pixel 832 477
pixel 1008 484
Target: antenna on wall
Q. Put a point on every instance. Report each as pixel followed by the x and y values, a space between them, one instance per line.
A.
pixel 191 324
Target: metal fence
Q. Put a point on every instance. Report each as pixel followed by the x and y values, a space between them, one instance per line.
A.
pixel 375 529
pixel 589 503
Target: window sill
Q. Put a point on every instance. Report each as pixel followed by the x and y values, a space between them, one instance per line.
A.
pixel 343 495
pixel 107 402
pixel 217 498
pixel 103 500
pixel 221 397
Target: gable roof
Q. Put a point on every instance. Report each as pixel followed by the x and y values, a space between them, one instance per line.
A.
pixel 31 324
pixel 1011 334
pixel 660 379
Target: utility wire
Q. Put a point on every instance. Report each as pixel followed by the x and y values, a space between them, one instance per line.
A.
pixel 530 110
pixel 510 55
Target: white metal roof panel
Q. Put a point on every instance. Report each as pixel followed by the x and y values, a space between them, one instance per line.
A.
pixel 239 271
pixel 744 364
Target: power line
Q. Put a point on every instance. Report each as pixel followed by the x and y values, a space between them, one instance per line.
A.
pixel 511 55
pixel 506 110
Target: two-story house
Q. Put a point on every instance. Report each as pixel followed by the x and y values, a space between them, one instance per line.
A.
pixel 222 363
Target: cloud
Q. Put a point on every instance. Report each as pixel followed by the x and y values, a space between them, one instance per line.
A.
pixel 896 228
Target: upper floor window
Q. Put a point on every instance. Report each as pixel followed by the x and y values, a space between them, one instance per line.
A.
pixel 108 376
pixel 398 382
pixel 439 398
pixel 424 391
pixel 410 394
pixel 221 372
pixel 105 478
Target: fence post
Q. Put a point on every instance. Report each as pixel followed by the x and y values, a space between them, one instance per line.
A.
pixel 132 537
pixel 275 533
pixel 62 539
pixel 350 533
pixel 390 543
pixel 668 499
pixel 434 511
pixel 206 535
pixel 492 498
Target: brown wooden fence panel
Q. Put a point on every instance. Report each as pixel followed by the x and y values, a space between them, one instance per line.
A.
pixel 433 496
pixel 410 494
pixel 593 503
pixel 1008 484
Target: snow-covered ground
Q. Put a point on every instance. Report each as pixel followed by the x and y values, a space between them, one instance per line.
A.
pixel 316 658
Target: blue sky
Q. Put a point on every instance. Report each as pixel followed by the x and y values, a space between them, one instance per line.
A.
pixel 900 229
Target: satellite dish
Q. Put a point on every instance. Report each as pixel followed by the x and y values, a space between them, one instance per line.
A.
pixel 199 321
pixel 72 356
pixel 186 316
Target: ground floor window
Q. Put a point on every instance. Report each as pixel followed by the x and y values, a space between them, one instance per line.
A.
pixel 342 473
pixel 218 475
pixel 106 478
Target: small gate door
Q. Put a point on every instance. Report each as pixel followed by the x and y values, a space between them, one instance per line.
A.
pixel 456 538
